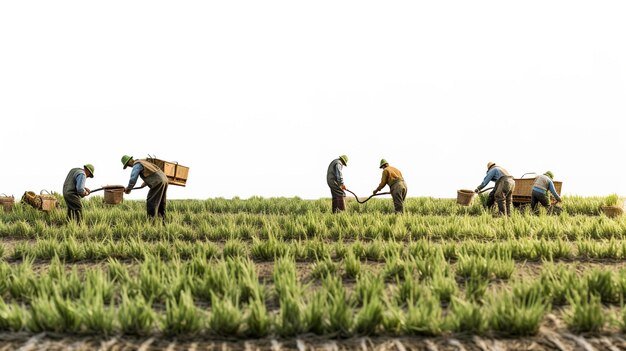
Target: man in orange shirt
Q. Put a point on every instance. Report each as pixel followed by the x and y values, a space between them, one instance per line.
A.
pixel 393 177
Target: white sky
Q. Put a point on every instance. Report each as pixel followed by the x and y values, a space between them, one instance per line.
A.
pixel 257 97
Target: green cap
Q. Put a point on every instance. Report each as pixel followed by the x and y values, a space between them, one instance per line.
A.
pixel 125 160
pixel 549 174
pixel 382 163
pixel 344 159
pixel 90 167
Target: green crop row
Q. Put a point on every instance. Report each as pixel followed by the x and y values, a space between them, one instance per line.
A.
pixel 227 298
pixel 73 250
pixel 206 226
pixel 418 206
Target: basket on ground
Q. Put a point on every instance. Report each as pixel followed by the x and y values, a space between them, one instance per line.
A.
pixel 44 202
pixel 464 197
pixel 7 202
pixel 612 211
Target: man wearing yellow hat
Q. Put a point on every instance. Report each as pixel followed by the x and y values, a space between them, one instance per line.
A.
pixel 156 180
pixel 503 190
pixel 74 188
pixel 393 177
pixel 334 179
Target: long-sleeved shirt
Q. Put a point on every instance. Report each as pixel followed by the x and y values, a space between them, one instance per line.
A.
pixel 493 175
pixel 80 182
pixel 543 183
pixel 334 173
pixel 134 174
pixel 390 174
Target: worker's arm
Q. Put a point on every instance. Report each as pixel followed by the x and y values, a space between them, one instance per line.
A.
pixel 553 191
pixel 487 179
pixel 383 181
pixel 80 185
pixel 134 174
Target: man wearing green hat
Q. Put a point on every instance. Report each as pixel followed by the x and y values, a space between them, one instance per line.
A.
pixel 156 180
pixel 393 177
pixel 542 184
pixel 74 188
pixel 334 179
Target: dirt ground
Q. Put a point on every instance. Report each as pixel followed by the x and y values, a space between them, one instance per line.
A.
pixel 546 340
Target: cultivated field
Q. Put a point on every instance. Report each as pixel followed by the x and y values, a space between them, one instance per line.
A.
pixel 287 274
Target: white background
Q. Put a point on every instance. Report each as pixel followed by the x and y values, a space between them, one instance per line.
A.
pixel 257 97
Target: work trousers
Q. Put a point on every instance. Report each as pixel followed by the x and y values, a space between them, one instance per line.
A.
pixel 539 198
pixel 398 194
pixel 155 203
pixel 74 207
pixel 502 194
pixel 338 195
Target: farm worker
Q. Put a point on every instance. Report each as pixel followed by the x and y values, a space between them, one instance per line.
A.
pixel 393 177
pixel 503 190
pixel 74 188
pixel 542 184
pixel 334 179
pixel 156 180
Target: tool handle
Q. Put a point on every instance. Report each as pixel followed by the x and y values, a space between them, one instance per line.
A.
pixel 482 191
pixel 529 173
pixel 364 201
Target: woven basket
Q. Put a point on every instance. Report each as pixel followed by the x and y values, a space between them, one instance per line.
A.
pixel 43 202
pixel 48 201
pixel 464 197
pixel 32 199
pixel 612 211
pixel 7 202
pixel 113 195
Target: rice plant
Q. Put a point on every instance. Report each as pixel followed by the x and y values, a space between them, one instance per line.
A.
pixel 518 313
pixel 182 316
pixel 585 313
pixel 226 317
pixel 467 317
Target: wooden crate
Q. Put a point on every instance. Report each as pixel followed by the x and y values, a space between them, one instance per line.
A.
pixel 176 174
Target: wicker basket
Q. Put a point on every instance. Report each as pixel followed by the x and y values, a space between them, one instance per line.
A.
pixel 43 202
pixel 464 197
pixel 7 202
pixel 113 195
pixel 612 211
pixel 48 201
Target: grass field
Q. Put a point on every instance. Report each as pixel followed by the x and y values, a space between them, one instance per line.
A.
pixel 273 271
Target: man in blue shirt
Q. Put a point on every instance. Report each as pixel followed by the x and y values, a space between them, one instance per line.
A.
pixel 543 184
pixel 503 190
pixel 74 188
pixel 154 178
